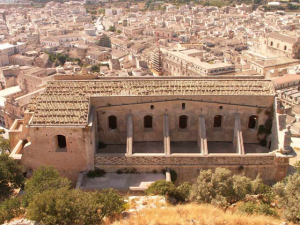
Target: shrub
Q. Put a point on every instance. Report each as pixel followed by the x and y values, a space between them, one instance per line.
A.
pixel 76 207
pixel 297 167
pixel 183 192
pixel 241 186
pixel 257 208
pixel 10 209
pixel 127 170
pixel 112 29
pixel 44 178
pixel 265 209
pixel 11 176
pixel 288 195
pixel 222 188
pixel 95 68
pixel 96 173
pixel 211 186
pixel 161 187
pixel 132 170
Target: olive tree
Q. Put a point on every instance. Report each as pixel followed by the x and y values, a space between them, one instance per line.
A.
pixel 11 176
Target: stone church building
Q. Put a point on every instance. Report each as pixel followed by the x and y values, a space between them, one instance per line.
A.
pixel 185 124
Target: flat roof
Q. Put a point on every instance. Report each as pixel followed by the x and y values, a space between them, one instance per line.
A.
pixel 10 91
pixel 6 46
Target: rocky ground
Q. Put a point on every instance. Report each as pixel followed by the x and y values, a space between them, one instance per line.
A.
pixel 21 221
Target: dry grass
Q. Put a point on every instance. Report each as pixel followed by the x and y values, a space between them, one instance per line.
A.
pixel 193 214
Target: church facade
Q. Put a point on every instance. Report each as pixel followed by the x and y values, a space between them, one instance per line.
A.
pixel 150 124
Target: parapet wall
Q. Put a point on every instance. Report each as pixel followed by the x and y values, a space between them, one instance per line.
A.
pixel 165 161
pixel 269 167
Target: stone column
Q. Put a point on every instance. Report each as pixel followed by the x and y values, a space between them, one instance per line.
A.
pixel 129 143
pixel 167 148
pixel 202 140
pixel 238 142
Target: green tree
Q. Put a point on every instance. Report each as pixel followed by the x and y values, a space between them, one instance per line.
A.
pixel 76 207
pixel 95 68
pixel 112 29
pixel 11 176
pixel 10 209
pixel 119 31
pixel 288 194
pixel 44 178
pixel 62 59
pixel 4 145
pixel 101 11
pixel 221 188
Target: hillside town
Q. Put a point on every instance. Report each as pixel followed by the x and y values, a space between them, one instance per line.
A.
pixel 139 87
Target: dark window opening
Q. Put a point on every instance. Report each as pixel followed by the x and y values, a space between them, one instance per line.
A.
pixel 152 107
pixel 285 47
pixel 112 122
pixel 252 122
pixel 221 107
pixel 218 121
pixel 148 121
pixel 61 141
pixel 183 122
pixel 183 106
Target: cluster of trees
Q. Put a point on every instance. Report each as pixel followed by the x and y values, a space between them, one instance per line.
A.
pixel 49 198
pixel 61 59
pixel 223 189
pixel 292 6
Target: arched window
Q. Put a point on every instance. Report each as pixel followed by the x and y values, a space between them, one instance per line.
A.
pixel 183 121
pixel 285 48
pixel 271 43
pixel 112 122
pixel 252 122
pixel 218 121
pixel 61 141
pixel 148 120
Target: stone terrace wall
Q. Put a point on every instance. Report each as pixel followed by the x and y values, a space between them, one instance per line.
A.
pixel 270 168
pixel 231 160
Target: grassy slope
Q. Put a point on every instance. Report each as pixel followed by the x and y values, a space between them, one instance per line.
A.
pixel 194 214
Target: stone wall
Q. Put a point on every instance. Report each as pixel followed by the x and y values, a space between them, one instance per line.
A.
pixel 43 150
pixel 269 167
pixel 160 160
